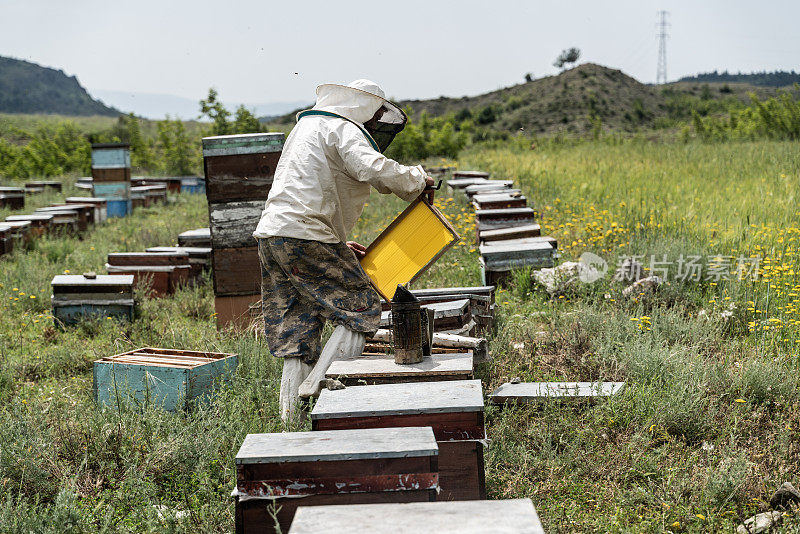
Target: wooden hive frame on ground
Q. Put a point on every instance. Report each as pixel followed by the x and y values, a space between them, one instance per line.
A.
pixel 407 247
pixel 170 378
pixel 276 473
pixel 454 409
pixel 76 297
pixel 514 516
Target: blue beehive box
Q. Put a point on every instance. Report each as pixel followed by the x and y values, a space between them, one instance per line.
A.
pixel 193 185
pixel 76 297
pixel 170 378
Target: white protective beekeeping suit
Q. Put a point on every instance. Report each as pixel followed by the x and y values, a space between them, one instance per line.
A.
pixel 320 187
pixel 327 167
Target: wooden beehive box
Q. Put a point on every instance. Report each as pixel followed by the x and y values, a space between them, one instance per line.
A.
pixel 471 174
pixel 20 231
pixel 173 379
pixel 6 239
pixel 454 409
pixel 44 184
pixel 515 232
pixel 449 315
pixel 407 247
pixel 99 204
pixel 276 473
pixel 370 370
pixel 87 212
pixel 489 185
pixel 67 218
pixel 514 516
pixel 111 162
pixel 78 296
pixel 40 222
pixel 499 201
pixel 239 170
pixel 12 198
pixel 162 273
pixel 193 185
pixel 503 218
pixel 200 237
pixel 460 184
pixel 498 256
pixel 199 257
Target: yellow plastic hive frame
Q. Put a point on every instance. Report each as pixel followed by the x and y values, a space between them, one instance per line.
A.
pixel 408 246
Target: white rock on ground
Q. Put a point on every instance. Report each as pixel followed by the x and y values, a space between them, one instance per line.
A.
pixel 567 275
pixel 759 523
pixel 644 285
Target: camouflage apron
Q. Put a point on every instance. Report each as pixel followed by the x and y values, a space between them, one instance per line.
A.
pixel 303 284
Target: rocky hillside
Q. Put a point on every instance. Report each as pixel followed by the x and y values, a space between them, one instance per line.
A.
pixel 29 88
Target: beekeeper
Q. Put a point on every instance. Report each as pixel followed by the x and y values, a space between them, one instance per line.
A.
pixel 309 272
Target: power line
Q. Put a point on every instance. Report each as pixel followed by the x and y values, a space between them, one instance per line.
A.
pixel 661 73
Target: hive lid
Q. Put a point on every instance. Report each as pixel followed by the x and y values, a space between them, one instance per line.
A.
pixel 400 399
pixel 99 280
pixel 254 143
pixel 383 366
pixel 513 516
pixel 31 217
pixel 501 248
pixel 337 445
pixel 510 212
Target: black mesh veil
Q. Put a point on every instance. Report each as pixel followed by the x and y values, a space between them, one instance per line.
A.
pixel 390 124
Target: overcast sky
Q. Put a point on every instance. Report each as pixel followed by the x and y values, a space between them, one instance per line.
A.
pixel 272 51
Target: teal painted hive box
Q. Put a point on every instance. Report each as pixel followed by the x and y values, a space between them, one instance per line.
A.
pixel 170 378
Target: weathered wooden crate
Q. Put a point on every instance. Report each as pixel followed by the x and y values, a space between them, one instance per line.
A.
pixel 170 378
pixel 516 232
pixel 199 237
pixel 76 297
pixel 411 243
pixel 370 370
pixel 503 218
pixel 237 271
pixel 111 162
pixel 276 473
pixel 531 392
pixel 138 198
pixel 44 184
pixel 240 167
pixel 233 223
pixel 12 198
pixel 515 516
pixel 40 222
pixel 454 409
pixel 87 211
pixel 492 201
pixel 162 273
pixel 99 205
pixel 236 311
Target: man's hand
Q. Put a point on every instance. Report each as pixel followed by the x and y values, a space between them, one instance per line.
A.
pixel 358 249
pixel 429 182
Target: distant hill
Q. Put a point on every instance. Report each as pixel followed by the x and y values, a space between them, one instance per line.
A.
pixel 577 100
pixel 29 88
pixel 778 78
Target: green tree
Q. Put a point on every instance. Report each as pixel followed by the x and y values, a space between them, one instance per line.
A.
pixel 142 155
pixel 175 146
pixel 245 122
pixel 212 108
pixel 570 55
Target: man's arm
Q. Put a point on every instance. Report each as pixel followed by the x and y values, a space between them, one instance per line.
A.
pixel 366 164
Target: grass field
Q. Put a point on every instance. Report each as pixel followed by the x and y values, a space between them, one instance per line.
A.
pixel 706 430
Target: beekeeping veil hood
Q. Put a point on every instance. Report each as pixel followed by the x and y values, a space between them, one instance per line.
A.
pixel 358 101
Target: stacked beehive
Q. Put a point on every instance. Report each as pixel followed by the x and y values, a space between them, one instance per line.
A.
pixel 505 227
pixel 239 170
pixel 111 176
